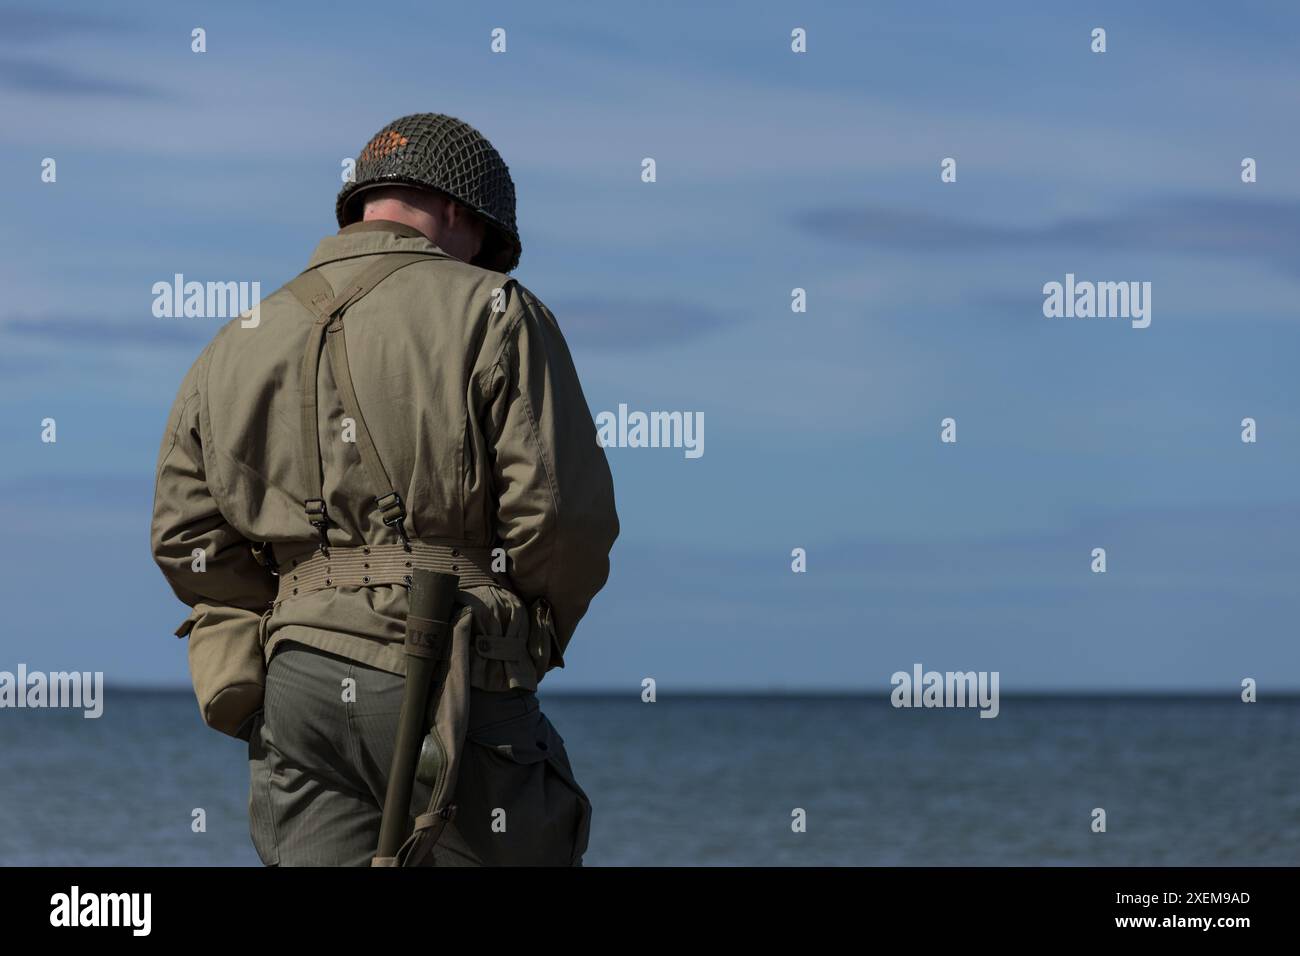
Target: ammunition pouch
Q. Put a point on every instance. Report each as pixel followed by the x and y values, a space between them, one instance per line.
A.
pixel 520 804
pixel 516 801
pixel 226 665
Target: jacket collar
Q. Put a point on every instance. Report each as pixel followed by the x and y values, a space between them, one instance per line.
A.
pixel 381 225
pixel 371 237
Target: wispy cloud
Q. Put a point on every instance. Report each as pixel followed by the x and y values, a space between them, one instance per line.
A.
pixel 619 323
pixel 79 333
pixel 52 79
pixel 21 28
pixel 1268 230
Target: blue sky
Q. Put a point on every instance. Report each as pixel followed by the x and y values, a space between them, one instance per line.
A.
pixel 821 429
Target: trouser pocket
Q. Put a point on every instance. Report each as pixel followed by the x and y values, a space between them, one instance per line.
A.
pixel 261 813
pixel 518 803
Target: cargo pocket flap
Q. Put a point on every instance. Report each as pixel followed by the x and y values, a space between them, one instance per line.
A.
pixel 524 739
pixel 500 648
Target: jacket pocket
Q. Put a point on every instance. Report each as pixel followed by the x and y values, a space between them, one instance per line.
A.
pixel 518 803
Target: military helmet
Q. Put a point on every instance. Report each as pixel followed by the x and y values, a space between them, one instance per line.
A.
pixel 442 153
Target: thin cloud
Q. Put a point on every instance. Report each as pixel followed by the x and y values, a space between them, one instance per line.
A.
pixel 619 323
pixel 1268 230
pixel 21 28
pixel 66 331
pixel 31 76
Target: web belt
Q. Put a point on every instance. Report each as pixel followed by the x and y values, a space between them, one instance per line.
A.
pixel 372 565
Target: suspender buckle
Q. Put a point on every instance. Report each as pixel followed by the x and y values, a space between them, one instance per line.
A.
pixel 315 508
pixel 394 512
pixel 264 556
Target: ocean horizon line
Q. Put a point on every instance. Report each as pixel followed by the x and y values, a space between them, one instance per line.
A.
pixel 814 693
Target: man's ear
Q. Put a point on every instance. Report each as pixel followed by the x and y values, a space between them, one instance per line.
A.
pixel 458 215
pixel 462 217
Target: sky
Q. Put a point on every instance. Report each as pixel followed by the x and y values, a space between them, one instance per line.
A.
pixel 775 170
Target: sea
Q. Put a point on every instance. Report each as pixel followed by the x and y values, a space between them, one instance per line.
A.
pixel 737 780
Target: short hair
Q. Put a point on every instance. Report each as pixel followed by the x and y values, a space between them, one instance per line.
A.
pixel 401 192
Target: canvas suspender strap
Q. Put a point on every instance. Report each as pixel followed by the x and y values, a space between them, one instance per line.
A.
pixel 314 292
pixel 390 502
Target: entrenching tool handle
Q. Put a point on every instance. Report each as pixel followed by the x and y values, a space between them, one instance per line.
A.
pixel 428 640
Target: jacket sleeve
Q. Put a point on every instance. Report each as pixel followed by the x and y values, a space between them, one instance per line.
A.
pixel 187 519
pixel 555 495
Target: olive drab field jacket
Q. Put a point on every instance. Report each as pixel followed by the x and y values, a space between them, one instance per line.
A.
pixel 475 409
